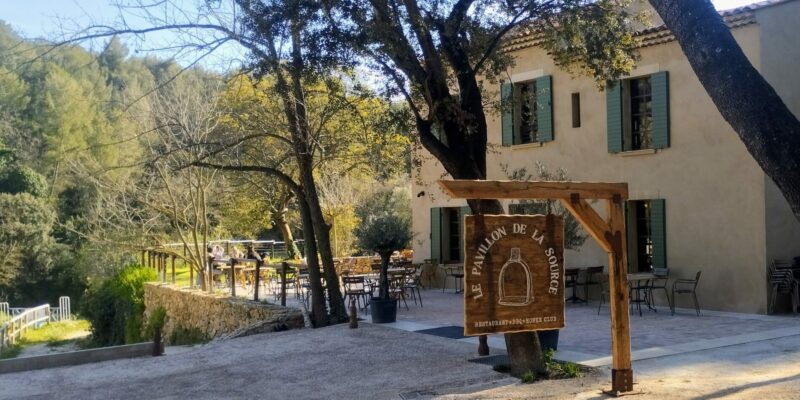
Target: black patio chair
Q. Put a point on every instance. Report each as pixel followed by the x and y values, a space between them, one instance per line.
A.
pixel 659 282
pixel 604 290
pixel 456 271
pixel 782 281
pixel 593 276
pixel 686 286
pixel 356 288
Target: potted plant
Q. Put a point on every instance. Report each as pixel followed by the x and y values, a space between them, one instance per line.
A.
pixel 385 228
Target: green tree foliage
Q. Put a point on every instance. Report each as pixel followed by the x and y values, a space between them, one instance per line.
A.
pixel 115 307
pixel 25 221
pixel 15 178
pixel 66 118
pixel 574 236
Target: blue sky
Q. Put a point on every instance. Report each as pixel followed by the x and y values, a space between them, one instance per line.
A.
pixel 38 17
pixel 49 18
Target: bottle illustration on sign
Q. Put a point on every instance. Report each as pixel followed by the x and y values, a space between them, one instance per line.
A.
pixel 515 282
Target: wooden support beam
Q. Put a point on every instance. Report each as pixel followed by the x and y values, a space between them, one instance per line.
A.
pixel 233 277
pixel 468 189
pixel 589 219
pixel 621 372
pixel 284 267
pixel 173 269
pixel 610 234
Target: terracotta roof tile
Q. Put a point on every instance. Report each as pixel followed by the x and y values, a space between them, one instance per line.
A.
pixel 527 36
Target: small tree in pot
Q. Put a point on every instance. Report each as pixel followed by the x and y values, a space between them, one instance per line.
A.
pixel 385 227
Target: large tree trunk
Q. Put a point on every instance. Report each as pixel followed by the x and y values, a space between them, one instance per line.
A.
pixel 318 312
pixel 751 106
pixel 523 348
pixel 338 312
pixel 305 147
pixel 286 231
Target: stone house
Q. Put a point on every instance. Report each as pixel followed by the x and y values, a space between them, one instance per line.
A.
pixel 698 200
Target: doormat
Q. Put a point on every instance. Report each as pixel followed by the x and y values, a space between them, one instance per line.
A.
pixel 450 332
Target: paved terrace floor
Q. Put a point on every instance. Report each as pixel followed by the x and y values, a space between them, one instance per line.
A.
pixel 586 339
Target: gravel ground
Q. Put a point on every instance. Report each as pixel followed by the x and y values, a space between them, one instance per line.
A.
pixel 375 362
pixel 371 362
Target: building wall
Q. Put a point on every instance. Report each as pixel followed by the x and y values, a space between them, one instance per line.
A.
pixel 780 55
pixel 714 190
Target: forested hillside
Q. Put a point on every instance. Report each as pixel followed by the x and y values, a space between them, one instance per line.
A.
pixel 98 152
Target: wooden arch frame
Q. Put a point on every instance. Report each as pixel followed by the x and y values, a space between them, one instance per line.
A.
pixel 609 234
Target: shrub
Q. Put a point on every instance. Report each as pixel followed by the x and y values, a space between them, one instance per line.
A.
pixel 182 336
pixel 528 377
pixel 385 227
pixel 156 321
pixel 115 307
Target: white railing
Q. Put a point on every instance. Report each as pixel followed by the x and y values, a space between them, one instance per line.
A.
pixel 31 317
pixel 63 312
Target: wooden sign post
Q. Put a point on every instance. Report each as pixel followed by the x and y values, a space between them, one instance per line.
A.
pixel 609 234
pixel 514 273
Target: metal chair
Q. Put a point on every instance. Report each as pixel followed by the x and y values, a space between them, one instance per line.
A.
pixel 456 271
pixel 638 292
pixel 686 286
pixel 397 288
pixel 356 287
pixel 604 290
pixel 592 277
pixel 411 284
pixel 428 268
pixel 659 282
pixel 782 280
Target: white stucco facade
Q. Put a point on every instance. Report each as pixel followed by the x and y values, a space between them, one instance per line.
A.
pixel 723 215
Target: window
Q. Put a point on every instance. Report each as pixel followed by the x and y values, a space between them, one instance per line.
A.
pixel 526 127
pixel 638 113
pixel 527 111
pixel 645 225
pixel 576 110
pixel 447 233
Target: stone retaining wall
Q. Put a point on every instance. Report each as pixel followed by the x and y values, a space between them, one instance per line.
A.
pixel 216 316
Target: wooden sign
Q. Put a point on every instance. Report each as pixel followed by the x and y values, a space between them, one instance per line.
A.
pixel 514 273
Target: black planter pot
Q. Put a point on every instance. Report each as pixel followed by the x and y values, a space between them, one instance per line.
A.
pixel 383 311
pixel 548 339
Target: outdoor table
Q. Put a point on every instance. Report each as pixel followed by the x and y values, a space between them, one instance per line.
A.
pixel 640 281
pixel 571 277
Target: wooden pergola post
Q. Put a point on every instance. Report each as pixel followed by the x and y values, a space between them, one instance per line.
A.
pixel 173 269
pixel 609 234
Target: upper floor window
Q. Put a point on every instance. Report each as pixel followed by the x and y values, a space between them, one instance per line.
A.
pixel 527 111
pixel 639 127
pixel 638 113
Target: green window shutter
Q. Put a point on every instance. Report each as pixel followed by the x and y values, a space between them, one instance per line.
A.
pixel 463 212
pixel 658 233
pixel 436 234
pixel 544 108
pixel 614 116
pixel 630 234
pixel 659 83
pixel 506 91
